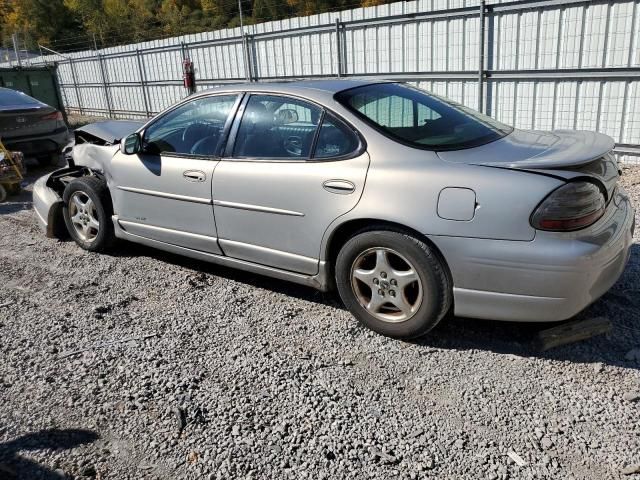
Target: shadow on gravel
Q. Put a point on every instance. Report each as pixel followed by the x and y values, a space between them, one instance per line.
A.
pixel 24 200
pixel 15 204
pixel 14 467
pixel 127 249
pixel 621 305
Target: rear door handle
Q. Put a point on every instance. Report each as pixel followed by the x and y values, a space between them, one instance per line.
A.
pixel 194 176
pixel 343 187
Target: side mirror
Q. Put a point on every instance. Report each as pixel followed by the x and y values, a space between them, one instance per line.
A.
pixel 131 144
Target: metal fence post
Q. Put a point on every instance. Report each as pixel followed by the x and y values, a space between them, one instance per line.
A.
pixel 245 47
pixel 106 87
pixel 75 86
pixel 250 60
pixel 183 51
pixel 143 82
pixel 481 59
pixel 253 58
pixel 339 46
pixel 16 49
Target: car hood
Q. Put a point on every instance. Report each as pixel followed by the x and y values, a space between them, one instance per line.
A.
pixel 531 149
pixel 110 131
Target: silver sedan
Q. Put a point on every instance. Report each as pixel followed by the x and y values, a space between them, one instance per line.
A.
pixel 411 205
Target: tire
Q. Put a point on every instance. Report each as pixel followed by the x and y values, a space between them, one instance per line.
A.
pixel 13 188
pixel 3 194
pixel 87 212
pixel 414 288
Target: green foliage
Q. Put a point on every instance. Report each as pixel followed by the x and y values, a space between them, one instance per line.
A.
pixel 37 20
pixel 76 24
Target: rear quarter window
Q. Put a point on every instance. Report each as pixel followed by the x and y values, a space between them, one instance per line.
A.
pixel 10 98
pixel 420 119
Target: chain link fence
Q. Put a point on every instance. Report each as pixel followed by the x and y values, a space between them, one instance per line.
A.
pixel 541 64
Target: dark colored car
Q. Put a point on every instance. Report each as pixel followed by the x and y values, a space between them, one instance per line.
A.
pixel 30 126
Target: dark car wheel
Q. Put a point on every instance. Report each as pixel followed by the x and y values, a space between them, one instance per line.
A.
pixel 87 213
pixel 393 283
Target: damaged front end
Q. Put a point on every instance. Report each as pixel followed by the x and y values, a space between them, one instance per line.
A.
pixel 94 146
pixel 107 134
pixel 47 198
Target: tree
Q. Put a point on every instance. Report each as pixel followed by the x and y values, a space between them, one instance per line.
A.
pixel 36 20
pixel 265 10
pixel 172 16
pixel 115 22
pixel 90 13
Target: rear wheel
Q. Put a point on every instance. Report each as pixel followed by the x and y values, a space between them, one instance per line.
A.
pixel 13 188
pixel 393 283
pixel 87 213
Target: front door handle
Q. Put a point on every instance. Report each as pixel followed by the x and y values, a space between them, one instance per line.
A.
pixel 342 187
pixel 194 176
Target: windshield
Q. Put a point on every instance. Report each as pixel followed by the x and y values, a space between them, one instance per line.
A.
pixel 421 119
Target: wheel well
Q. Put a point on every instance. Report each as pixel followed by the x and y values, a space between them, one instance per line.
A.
pixel 345 231
pixel 58 181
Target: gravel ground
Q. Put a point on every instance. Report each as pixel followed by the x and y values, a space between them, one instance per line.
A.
pixel 143 364
pixel 75 120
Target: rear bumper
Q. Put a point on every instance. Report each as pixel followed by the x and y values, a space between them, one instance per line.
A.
pixel 550 278
pixel 39 144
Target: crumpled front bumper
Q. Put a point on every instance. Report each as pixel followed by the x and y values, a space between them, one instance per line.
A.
pixel 47 205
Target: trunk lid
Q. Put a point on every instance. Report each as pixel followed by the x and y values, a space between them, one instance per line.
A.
pixel 563 153
pixel 19 122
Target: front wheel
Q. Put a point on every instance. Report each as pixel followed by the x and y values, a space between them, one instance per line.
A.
pixel 87 213
pixel 393 283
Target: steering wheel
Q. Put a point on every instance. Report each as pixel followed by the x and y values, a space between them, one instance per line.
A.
pixel 205 146
pixel 195 132
pixel 293 145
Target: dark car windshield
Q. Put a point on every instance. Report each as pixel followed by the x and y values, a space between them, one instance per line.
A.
pixel 421 119
pixel 12 97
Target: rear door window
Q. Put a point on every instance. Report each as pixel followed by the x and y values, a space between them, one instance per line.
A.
pixel 275 126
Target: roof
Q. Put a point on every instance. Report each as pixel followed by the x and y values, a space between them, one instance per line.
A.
pixel 312 88
pixel 333 85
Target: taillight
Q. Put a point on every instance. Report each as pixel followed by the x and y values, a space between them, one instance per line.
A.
pixel 573 206
pixel 52 116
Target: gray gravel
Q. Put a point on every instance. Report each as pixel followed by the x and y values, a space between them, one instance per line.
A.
pixel 142 364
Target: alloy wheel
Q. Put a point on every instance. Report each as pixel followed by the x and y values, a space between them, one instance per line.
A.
pixel 386 284
pixel 84 216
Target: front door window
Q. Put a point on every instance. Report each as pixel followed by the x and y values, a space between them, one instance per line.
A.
pixel 194 128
